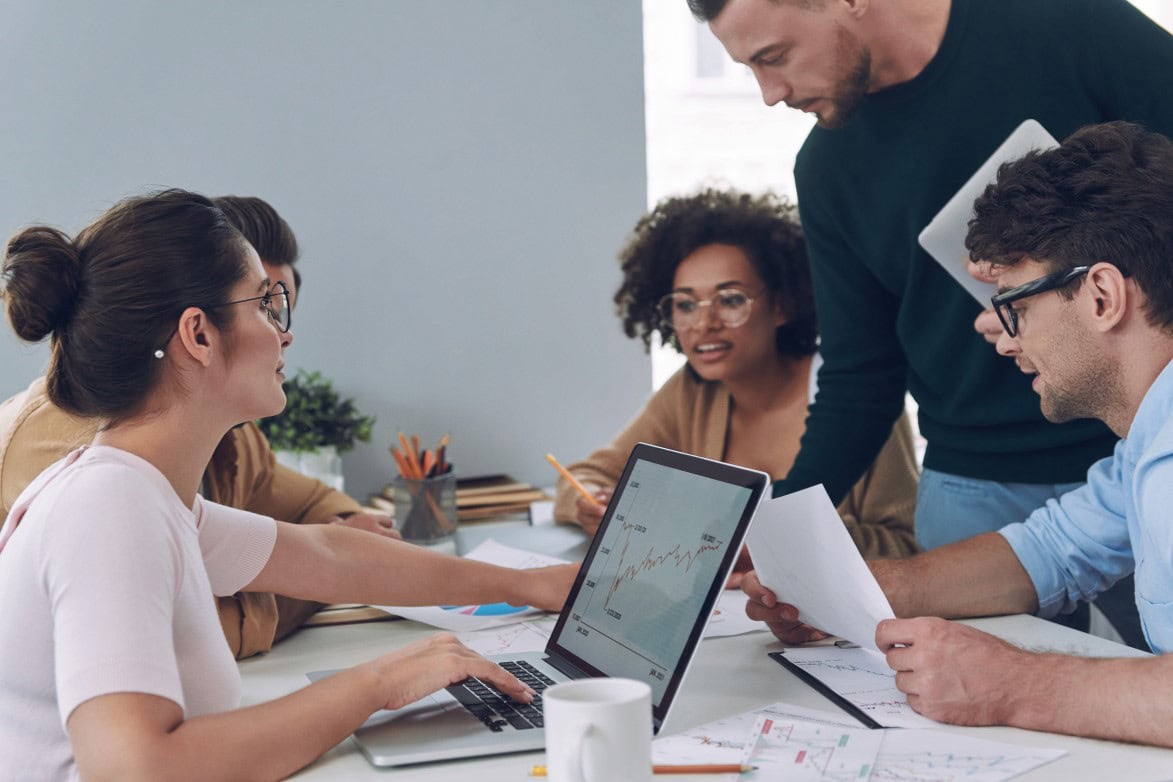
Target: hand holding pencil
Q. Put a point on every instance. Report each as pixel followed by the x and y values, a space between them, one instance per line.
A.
pixel 590 507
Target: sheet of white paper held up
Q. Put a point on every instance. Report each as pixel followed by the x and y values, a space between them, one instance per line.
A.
pixel 804 554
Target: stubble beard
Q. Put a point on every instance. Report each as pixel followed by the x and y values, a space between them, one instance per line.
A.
pixel 851 89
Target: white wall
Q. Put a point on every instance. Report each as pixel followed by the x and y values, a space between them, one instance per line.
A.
pixel 460 176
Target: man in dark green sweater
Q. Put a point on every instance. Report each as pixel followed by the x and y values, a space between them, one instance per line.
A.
pixel 912 96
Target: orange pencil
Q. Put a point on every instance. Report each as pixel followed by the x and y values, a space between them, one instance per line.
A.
pixel 429 463
pixel 410 456
pixel 706 768
pixel 441 449
pixel 571 479
pixel 401 463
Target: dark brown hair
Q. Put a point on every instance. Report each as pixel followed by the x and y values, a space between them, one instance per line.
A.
pixel 264 229
pixel 708 10
pixel 764 227
pixel 110 297
pixel 1105 194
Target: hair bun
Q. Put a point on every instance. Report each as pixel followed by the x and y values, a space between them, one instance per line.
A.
pixel 41 278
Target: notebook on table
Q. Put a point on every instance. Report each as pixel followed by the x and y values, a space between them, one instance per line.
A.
pixel 637 609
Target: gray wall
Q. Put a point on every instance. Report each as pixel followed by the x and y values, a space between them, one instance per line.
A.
pixel 459 173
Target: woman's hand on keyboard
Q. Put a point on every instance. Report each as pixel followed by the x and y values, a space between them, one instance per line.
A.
pixel 410 673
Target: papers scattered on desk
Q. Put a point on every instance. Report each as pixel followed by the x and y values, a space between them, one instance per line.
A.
pixel 528 636
pixel 793 743
pixel 804 554
pixel 863 679
pixel 729 616
pixel 479 617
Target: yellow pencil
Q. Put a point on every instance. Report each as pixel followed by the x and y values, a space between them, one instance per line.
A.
pixel 570 479
pixel 710 768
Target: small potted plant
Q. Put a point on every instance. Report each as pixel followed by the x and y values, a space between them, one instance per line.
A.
pixel 315 427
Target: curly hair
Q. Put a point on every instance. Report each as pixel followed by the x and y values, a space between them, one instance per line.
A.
pixel 1105 194
pixel 765 227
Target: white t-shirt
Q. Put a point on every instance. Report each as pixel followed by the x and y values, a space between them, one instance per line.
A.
pixel 106 584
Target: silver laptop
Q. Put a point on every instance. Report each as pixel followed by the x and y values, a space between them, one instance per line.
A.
pixel 944 236
pixel 638 609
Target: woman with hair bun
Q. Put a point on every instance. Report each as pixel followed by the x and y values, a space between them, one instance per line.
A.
pixel 164 325
pixel 723 278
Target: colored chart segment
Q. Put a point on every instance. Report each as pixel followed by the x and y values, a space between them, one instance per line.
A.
pixel 488 609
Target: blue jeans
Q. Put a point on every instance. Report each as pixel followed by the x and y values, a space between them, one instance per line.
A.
pixel 951 508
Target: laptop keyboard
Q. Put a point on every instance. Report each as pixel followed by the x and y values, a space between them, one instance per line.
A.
pixel 496 709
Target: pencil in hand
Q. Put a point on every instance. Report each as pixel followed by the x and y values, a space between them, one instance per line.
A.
pixel 578 487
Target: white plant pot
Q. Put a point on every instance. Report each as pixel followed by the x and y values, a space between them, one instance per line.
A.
pixel 324 464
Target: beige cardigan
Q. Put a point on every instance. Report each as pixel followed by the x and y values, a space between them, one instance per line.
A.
pixel 692 415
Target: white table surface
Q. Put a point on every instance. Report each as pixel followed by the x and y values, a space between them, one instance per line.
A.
pixel 729 676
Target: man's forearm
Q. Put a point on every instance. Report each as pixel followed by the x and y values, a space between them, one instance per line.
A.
pixel 979 576
pixel 1117 699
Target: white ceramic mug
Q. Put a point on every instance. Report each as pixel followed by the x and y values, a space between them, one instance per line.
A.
pixel 599 730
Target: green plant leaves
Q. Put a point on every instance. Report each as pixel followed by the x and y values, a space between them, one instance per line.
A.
pixel 314 416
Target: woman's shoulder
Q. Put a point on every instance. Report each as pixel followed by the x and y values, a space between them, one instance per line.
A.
pixel 113 485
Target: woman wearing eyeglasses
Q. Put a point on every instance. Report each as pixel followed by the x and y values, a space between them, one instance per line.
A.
pixel 164 325
pixel 723 278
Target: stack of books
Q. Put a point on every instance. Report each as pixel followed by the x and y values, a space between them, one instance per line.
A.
pixel 494 497
pixel 482 498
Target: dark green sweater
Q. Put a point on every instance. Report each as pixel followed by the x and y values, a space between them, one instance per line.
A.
pixel 890 318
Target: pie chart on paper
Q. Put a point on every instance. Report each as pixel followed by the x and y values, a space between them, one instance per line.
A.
pixel 488 609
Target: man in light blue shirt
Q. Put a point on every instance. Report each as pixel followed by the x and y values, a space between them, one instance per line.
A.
pixel 1080 239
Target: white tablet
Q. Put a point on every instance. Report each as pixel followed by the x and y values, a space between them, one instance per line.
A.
pixel 944 236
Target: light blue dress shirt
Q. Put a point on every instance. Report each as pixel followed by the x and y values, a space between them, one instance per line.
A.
pixel 1075 547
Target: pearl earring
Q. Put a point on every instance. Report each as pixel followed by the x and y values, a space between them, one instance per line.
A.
pixel 159 353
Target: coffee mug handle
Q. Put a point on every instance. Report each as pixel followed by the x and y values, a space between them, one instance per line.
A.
pixel 578 767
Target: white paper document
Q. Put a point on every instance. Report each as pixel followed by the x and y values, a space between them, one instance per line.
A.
pixel 729 617
pixel 804 554
pixel 528 636
pixel 787 742
pixel 479 617
pixel 795 749
pixel 719 742
pixel 863 679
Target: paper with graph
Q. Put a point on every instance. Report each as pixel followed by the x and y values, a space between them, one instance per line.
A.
pixel 787 742
pixel 485 615
pixel 804 554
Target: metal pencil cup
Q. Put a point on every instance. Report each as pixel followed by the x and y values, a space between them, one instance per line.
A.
pixel 425 509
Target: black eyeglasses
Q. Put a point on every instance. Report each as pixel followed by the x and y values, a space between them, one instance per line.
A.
pixel 275 304
pixel 1050 282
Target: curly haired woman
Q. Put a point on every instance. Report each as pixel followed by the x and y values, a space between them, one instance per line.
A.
pixel 723 278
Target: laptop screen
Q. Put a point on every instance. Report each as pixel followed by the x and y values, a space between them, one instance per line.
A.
pixel 655 568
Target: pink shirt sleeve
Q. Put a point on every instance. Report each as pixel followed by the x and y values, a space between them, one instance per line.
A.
pixel 113 580
pixel 235 544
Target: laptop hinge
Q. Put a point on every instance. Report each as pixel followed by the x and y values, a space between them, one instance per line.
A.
pixel 567 668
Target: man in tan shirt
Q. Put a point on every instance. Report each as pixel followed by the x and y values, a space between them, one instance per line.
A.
pixel 243 472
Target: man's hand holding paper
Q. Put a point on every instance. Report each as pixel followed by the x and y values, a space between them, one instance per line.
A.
pixel 804 554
